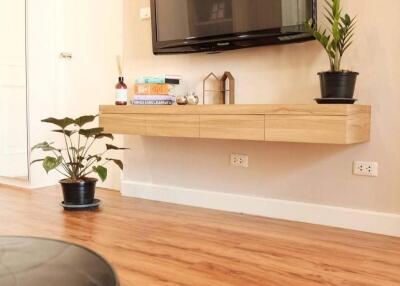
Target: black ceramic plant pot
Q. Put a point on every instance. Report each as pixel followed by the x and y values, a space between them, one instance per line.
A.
pixel 80 192
pixel 338 84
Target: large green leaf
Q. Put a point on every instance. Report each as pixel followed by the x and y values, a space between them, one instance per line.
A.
pixel 112 147
pixel 117 162
pixel 81 121
pixel 101 171
pixel 50 163
pixel 91 132
pixel 104 135
pixel 62 123
pixel 45 146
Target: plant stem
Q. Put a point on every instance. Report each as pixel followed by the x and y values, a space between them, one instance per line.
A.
pixel 62 173
pixel 69 156
pixel 337 61
pixel 88 173
pixel 332 64
pixel 88 148
pixel 89 164
pixel 78 156
pixel 64 165
pixel 74 157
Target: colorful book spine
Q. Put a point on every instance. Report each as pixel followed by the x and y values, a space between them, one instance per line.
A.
pixel 153 97
pixel 152 89
pixel 173 79
pixel 150 80
pixel 170 79
pixel 152 102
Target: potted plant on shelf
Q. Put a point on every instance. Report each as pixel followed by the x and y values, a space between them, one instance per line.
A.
pixel 76 162
pixel 337 85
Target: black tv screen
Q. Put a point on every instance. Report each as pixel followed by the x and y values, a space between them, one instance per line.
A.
pixel 184 26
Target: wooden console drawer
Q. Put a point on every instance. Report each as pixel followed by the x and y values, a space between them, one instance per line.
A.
pixel 301 123
pixel 134 124
pixel 173 125
pixel 240 127
pixel 315 129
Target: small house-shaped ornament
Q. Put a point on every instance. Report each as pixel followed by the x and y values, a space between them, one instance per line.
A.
pixel 228 88
pixel 219 90
pixel 212 93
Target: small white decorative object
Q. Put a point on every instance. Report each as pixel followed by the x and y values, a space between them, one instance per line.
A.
pixel 181 100
pixel 193 99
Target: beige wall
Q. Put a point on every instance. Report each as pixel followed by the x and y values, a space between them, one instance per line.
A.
pixel 281 74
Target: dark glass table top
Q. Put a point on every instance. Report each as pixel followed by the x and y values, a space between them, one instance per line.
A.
pixel 27 261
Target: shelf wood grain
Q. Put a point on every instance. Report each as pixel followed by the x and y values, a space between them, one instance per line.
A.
pixel 172 126
pixel 124 123
pixel 235 109
pixel 240 127
pixel 312 123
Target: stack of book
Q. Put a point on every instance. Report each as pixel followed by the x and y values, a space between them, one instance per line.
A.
pixel 155 90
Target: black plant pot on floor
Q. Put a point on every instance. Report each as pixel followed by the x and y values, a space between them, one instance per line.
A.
pixel 338 84
pixel 78 193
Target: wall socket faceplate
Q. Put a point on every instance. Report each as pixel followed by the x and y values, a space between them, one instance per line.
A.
pixel 238 160
pixel 369 169
pixel 145 13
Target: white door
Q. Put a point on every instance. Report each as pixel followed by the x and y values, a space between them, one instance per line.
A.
pixel 91 34
pixel 90 38
pixel 13 99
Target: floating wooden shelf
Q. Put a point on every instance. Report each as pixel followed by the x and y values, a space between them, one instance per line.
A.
pixel 312 123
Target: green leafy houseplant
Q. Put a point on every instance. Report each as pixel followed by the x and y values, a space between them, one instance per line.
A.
pixel 336 40
pixel 340 35
pixel 75 161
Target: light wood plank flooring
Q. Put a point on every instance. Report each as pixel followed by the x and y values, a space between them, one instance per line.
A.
pixel 152 243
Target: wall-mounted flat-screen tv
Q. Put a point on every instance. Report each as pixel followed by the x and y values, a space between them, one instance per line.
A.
pixel 189 26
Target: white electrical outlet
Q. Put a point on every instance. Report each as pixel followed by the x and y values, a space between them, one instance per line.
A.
pixel 145 13
pixel 238 160
pixel 369 169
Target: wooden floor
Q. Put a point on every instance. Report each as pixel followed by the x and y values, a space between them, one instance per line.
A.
pixel 152 243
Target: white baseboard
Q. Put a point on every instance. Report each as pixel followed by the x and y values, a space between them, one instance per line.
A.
pixel 23 185
pixel 367 221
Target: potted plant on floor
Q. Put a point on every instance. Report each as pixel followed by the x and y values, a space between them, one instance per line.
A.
pixel 75 161
pixel 337 85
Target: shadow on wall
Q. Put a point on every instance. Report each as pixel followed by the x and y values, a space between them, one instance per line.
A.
pixel 205 164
